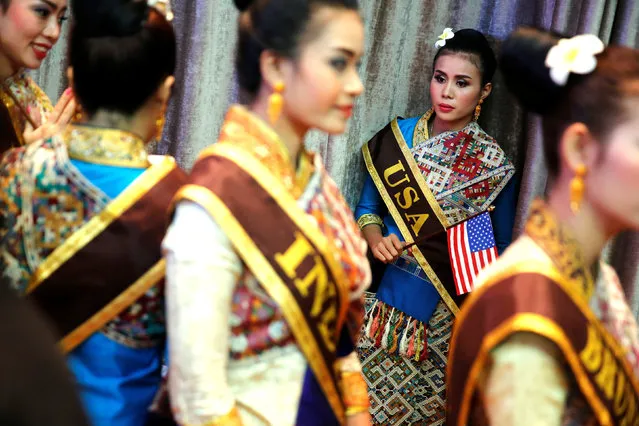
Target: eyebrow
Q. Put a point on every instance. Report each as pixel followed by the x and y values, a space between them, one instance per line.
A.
pixel 457 76
pixel 348 52
pixel 52 5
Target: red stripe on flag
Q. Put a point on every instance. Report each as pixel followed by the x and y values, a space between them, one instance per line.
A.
pixel 452 249
pixel 465 247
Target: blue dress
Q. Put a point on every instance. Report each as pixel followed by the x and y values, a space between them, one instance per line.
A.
pixel 117 383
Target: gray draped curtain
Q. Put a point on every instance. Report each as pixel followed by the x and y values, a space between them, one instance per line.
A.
pixel 396 71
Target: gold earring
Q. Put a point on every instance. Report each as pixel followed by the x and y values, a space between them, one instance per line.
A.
pixel 577 188
pixel 275 102
pixel 478 110
pixel 159 124
pixel 78 116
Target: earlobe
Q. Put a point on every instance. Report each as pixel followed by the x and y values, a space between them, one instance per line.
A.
pixel 164 91
pixel 270 68
pixel 576 146
pixel 486 91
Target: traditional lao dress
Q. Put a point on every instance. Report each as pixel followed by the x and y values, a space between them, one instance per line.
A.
pixel 83 216
pixel 266 273
pixel 409 320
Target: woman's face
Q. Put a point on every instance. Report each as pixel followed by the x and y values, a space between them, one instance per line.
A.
pixel 612 184
pixel 28 30
pixel 322 83
pixel 455 88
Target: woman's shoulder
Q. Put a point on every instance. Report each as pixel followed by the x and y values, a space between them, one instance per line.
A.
pixel 523 255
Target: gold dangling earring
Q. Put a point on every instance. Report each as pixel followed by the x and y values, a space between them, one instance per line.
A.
pixel 159 124
pixel 78 115
pixel 275 103
pixel 577 188
pixel 478 110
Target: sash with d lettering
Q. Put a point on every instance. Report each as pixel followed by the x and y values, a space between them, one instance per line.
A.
pixel 413 207
pixel 283 249
pixel 111 261
pixel 513 303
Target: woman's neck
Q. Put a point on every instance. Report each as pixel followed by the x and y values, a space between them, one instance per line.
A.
pixel 586 227
pixel 118 121
pixel 7 69
pixel 291 135
pixel 441 126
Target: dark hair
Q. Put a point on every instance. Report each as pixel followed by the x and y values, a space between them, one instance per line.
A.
pixel 4 5
pixel 474 44
pixel 277 25
pixel 120 51
pixel 592 99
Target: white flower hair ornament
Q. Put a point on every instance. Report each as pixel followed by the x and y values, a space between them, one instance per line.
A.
pixel 446 35
pixel 574 55
pixel 164 6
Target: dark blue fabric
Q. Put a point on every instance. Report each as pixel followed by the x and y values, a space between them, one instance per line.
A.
pixel 314 409
pixel 503 217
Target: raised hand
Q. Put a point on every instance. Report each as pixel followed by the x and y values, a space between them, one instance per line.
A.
pixel 57 120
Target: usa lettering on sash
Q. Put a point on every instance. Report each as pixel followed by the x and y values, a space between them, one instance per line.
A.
pixel 400 188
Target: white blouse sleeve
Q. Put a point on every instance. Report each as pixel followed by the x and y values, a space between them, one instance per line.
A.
pixel 201 275
pixel 525 383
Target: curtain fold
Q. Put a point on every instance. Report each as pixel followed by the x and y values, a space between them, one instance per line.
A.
pixel 396 71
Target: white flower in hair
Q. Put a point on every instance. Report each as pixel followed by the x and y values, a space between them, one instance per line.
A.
pixel 446 35
pixel 573 55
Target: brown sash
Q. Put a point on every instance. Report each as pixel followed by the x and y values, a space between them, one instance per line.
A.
pixel 413 207
pixel 285 251
pixel 511 305
pixel 111 261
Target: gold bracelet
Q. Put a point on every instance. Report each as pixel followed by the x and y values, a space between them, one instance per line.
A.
pixel 369 219
pixel 354 392
pixel 232 418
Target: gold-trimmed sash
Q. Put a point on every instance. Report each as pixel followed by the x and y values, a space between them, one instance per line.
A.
pixel 282 247
pixel 109 262
pixel 413 207
pixel 509 303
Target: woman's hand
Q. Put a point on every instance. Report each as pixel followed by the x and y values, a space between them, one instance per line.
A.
pixel 359 419
pixel 385 249
pixel 388 249
pixel 58 119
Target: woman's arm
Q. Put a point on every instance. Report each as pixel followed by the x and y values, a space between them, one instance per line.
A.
pixel 371 207
pixel 202 272
pixel 351 381
pixel 369 214
pixel 525 384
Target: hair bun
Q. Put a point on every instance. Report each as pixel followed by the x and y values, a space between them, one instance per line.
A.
pixel 523 63
pixel 109 18
pixel 242 5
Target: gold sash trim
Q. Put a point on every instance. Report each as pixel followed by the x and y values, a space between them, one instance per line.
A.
pixel 538 324
pixel 113 309
pixel 401 224
pixel 270 279
pixel 100 222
